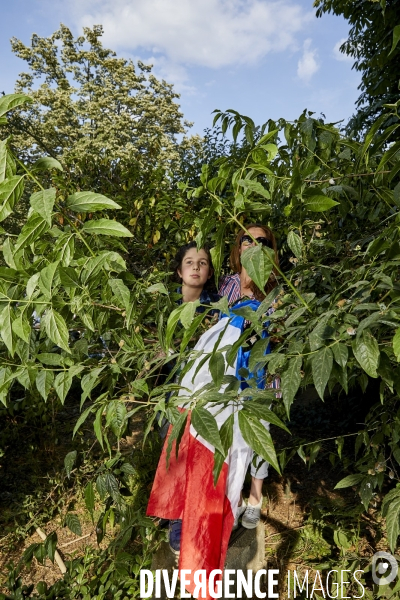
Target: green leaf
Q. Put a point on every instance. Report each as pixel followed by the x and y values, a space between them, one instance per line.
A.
pixel 217 252
pixel 31 285
pixel 343 539
pixel 97 426
pixel 89 381
pixel 266 171
pixel 295 244
pixel 157 287
pixel 191 330
pixel 44 382
pixel 6 319
pixel 46 279
pixel 5 170
pixel 73 523
pixel 128 469
pixel 46 162
pixel 254 186
pixel 89 202
pixel 8 253
pixel 226 433
pixel 50 358
pixel 101 486
pixel 82 419
pixel 50 545
pixel 116 418
pixel 176 433
pixel 366 351
pixel 23 376
pixel 267 136
pixel 69 277
pixel 349 481
pixel 371 134
pixel 258 264
pixel 89 498
pixel 62 384
pixel 293 316
pixel 172 322
pixel 121 292
pixel 320 203
pixel 262 412
pixel 69 462
pixel 65 249
pixel 12 101
pixel 217 368
pixel 105 259
pixel 272 150
pixel 42 202
pixel 257 354
pixel 321 332
pixel 206 426
pixel 106 227
pixel 290 381
pixel 187 313
pixel 341 354
pixel 393 522
pixel 258 438
pixel 321 364
pixel 396 38
pixel 33 229
pixel 396 344
pixel 56 329
pixel 10 192
pixel 219 460
pixel 86 320
pixel 22 328
pixel 112 486
pixel 222 305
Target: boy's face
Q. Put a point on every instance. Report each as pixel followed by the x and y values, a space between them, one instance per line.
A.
pixel 195 269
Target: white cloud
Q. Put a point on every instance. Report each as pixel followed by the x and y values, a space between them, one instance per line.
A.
pixel 308 63
pixel 170 71
pixel 339 55
pixel 208 33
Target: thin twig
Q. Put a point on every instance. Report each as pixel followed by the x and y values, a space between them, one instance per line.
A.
pixel 76 540
pixel 344 176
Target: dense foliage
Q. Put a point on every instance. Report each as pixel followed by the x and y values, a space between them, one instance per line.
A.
pixel 373 44
pixel 88 316
pixel 112 125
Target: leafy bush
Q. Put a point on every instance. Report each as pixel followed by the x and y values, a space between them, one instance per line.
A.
pixel 334 204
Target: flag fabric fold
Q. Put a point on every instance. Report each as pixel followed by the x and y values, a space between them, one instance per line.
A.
pixel 185 490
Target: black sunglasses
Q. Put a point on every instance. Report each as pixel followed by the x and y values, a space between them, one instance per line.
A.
pixel 260 240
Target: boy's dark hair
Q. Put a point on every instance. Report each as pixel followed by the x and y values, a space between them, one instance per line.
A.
pixel 177 263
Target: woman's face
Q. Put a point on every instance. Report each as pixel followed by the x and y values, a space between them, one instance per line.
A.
pixel 256 232
pixel 195 268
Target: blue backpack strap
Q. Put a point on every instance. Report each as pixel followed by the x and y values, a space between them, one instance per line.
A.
pixel 243 356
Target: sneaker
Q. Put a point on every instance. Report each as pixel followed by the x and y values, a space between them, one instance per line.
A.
pixel 175 531
pixel 252 515
pixel 239 511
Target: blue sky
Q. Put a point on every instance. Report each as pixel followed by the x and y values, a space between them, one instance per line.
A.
pixel 264 58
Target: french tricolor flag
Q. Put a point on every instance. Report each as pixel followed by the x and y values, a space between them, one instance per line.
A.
pixel 185 490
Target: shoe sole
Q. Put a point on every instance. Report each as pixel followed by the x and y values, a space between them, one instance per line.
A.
pixel 176 552
pixel 250 525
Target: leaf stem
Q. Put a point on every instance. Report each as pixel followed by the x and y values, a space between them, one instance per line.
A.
pixel 21 164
